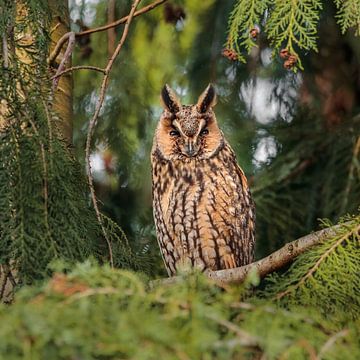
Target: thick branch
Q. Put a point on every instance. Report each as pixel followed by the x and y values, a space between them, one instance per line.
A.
pixel 274 261
pixel 267 265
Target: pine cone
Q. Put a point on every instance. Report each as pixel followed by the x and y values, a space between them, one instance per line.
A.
pixel 230 54
pixel 254 33
pixel 284 53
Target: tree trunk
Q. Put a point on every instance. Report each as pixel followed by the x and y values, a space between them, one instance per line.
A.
pixel 63 95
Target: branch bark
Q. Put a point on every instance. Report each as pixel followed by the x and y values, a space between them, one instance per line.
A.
pixel 267 265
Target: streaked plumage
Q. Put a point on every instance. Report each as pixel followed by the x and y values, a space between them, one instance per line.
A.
pixel 203 210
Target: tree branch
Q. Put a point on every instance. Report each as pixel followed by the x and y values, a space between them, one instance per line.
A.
pixel 93 122
pixel 123 20
pixel 65 59
pixel 267 265
pixel 79 67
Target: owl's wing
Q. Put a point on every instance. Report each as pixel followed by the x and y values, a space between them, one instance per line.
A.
pixel 229 216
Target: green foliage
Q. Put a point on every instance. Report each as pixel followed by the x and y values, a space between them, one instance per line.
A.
pixel 292 25
pixel 348 15
pixel 247 15
pixel 315 175
pixel 322 271
pixel 45 209
pixel 96 312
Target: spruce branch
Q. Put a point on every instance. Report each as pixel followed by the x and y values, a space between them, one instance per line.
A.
pixel 94 119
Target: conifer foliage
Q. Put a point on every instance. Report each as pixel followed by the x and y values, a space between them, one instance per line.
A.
pixel 97 312
pixel 88 310
pixel 289 25
pixel 45 212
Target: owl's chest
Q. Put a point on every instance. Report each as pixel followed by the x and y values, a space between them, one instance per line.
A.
pixel 194 187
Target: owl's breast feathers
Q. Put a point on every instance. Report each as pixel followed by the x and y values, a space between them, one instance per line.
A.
pixel 203 211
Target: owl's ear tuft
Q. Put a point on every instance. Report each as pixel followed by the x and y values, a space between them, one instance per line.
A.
pixel 169 99
pixel 207 99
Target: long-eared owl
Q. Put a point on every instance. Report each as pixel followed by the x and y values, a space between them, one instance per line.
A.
pixel 203 209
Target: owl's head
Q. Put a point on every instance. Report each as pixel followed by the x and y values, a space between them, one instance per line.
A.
pixel 188 131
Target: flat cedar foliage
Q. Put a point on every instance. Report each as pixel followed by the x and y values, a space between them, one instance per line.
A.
pixel 69 303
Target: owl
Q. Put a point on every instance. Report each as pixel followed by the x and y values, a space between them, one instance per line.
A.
pixel 203 209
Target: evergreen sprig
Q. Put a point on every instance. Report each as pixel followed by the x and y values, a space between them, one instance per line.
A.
pixel 290 25
pixel 317 277
pixel 293 24
pixel 348 15
pixel 246 16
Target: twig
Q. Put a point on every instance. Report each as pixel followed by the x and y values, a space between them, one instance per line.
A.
pixel 353 165
pixel 80 67
pixel 267 265
pixel 90 292
pixel 5 50
pixel 111 33
pixel 123 20
pixel 245 338
pixel 64 60
pixel 274 261
pixel 331 341
pixel 93 121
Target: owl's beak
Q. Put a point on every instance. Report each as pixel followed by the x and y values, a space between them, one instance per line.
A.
pixel 190 149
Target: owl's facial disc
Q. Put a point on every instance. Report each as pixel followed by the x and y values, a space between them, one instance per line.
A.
pixel 189 134
pixel 188 131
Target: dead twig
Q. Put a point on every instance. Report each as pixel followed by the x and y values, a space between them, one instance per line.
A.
pixel 5 51
pixel 123 20
pixel 80 67
pixel 64 60
pixel 331 341
pixel 93 122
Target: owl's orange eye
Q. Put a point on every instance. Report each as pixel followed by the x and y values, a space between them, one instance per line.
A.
pixel 204 132
pixel 174 133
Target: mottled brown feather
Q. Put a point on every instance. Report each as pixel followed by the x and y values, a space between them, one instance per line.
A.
pixel 203 210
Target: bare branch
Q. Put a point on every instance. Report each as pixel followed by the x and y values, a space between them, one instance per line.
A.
pixel 64 60
pixel 93 121
pixel 331 341
pixel 80 67
pixel 123 20
pixel 267 265
pixel 274 261
pixel 5 51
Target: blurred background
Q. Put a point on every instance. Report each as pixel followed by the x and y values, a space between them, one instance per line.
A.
pixel 296 134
